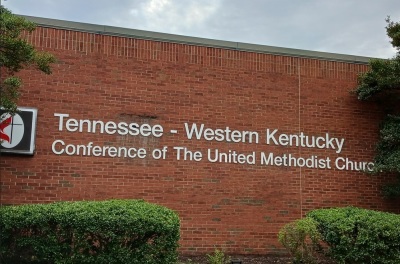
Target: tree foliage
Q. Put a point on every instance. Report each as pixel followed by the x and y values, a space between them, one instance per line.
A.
pixel 382 84
pixel 16 54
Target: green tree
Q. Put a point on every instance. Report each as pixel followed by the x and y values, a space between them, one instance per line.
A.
pixel 16 54
pixel 381 83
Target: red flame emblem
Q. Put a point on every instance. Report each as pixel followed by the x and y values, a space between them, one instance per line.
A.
pixel 3 124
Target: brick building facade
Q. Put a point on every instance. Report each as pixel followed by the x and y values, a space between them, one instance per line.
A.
pixel 239 139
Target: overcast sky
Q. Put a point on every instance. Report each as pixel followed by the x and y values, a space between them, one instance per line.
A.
pixel 355 27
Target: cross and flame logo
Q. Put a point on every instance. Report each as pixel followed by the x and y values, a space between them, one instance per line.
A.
pixel 11 130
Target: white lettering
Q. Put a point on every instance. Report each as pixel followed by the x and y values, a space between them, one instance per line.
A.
pixel 349 165
pixel 340 145
pixel 320 145
pixel 219 134
pixel 288 160
pixel 82 122
pixel 61 120
pixel 271 136
pixel 302 140
pixel 187 154
pixel 72 125
pixel 110 127
pixel 214 155
pixel 53 147
pixel 122 128
pixel 59 147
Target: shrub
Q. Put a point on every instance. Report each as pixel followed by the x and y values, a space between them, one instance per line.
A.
pixel 218 257
pixel 301 238
pixel 360 236
pixel 115 231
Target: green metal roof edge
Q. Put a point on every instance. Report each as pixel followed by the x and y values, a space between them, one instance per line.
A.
pixel 142 34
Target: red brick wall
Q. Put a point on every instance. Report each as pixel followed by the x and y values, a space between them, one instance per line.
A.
pixel 236 207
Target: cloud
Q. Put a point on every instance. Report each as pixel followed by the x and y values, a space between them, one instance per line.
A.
pixel 342 26
pixel 348 27
pixel 174 16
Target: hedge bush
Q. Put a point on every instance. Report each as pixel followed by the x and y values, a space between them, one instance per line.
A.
pixel 360 236
pixel 114 231
pixel 302 239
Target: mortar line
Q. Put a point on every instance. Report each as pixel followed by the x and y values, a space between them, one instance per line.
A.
pixel 299 117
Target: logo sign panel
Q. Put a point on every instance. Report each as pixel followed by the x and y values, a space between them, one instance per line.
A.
pixel 17 132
